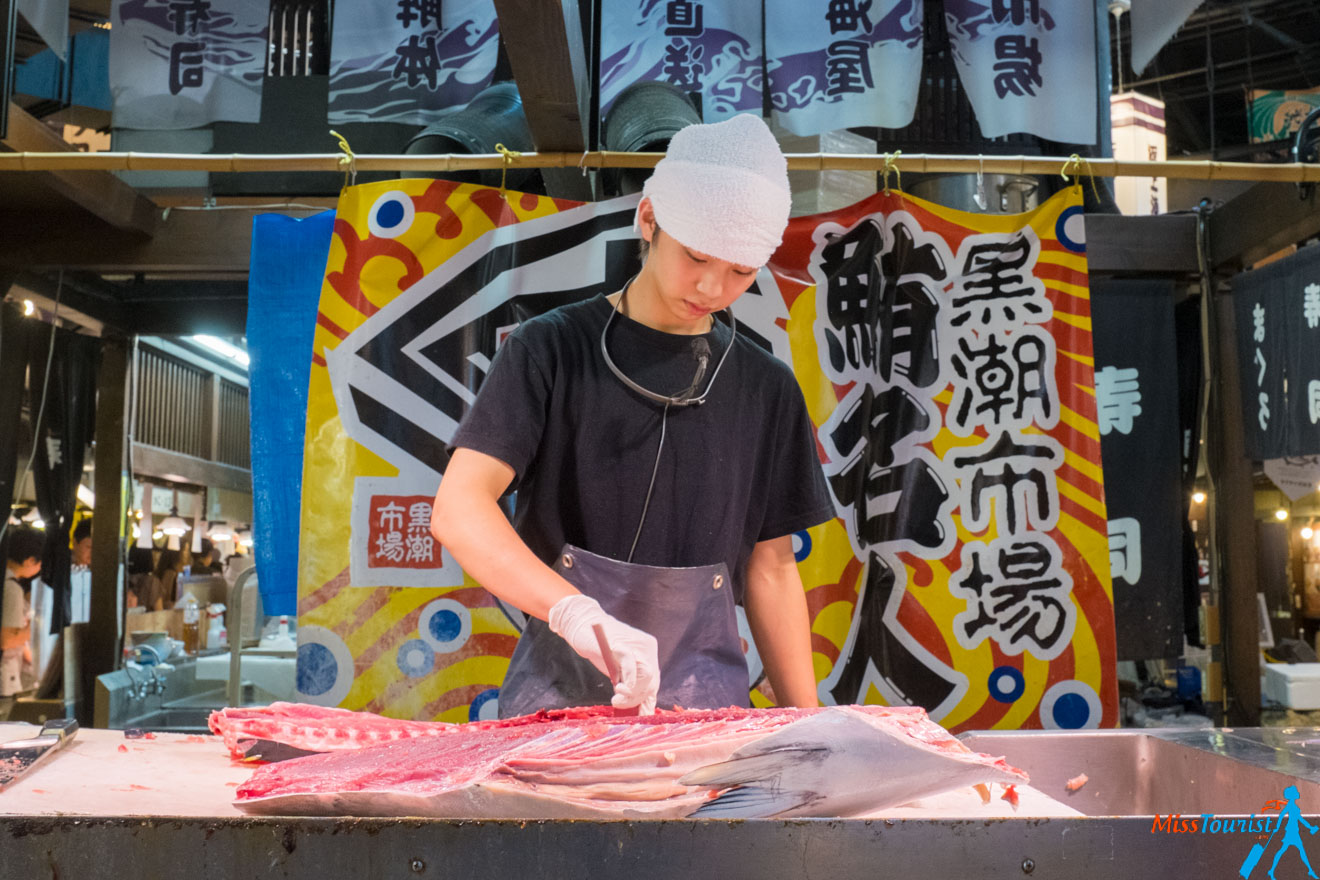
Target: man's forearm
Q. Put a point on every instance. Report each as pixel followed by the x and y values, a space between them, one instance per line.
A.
pixel 476 532
pixel 13 637
pixel 777 614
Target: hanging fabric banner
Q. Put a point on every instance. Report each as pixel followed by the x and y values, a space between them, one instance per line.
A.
pixel 1277 319
pixel 1020 61
pixel 284 287
pixel 708 47
pixel 407 61
pixel 946 363
pixel 1136 392
pixel 841 63
pixel 50 19
pixel 185 65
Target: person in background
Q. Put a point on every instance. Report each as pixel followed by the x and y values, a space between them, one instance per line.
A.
pixel 82 544
pixel 204 562
pixel 23 561
pixel 143 588
pixel 166 574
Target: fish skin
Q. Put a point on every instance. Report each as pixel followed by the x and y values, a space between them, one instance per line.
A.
pixel 840 762
pixel 837 761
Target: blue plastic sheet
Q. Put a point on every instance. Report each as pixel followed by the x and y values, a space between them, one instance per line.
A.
pixel 284 289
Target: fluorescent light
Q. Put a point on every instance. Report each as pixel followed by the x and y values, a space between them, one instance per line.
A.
pixel 218 345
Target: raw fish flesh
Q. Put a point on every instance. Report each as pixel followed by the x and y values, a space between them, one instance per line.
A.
pixel 586 763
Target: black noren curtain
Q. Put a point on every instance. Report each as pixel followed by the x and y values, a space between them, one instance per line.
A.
pixel 66 429
pixel 16 335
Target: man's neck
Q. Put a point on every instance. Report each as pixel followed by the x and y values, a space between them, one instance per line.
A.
pixel 642 304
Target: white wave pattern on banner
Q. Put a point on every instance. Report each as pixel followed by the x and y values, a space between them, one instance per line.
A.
pixel 707 46
pixel 1022 62
pixel 184 65
pixel 406 61
pixel 842 63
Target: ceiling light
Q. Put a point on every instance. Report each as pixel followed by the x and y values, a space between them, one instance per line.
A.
pixel 1280 514
pixel 245 537
pixel 174 525
pixel 29 309
pixel 38 523
pixel 221 531
pixel 1198 497
pixel 1307 533
pixel 220 346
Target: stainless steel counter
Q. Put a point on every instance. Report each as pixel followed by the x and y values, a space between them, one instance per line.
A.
pixel 1132 776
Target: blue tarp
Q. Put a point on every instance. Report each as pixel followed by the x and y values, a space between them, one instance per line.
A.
pixel 284 288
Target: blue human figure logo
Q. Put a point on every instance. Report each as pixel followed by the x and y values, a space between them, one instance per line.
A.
pixel 1292 815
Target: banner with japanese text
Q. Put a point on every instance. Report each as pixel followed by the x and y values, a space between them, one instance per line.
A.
pixel 177 65
pixel 1022 62
pixel 841 63
pixel 406 61
pixel 708 47
pixel 1136 395
pixel 1277 319
pixel 946 363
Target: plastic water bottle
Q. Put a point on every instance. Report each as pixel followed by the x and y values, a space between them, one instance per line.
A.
pixel 191 625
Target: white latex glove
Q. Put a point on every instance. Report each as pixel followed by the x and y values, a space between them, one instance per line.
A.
pixel 635 652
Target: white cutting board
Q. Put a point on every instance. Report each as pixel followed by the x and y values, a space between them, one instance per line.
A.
pixel 171 775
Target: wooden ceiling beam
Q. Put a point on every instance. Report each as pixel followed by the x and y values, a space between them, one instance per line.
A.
pixel 202 242
pixel 100 193
pixel 543 39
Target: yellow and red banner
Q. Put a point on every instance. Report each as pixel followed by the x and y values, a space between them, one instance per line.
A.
pixel 945 359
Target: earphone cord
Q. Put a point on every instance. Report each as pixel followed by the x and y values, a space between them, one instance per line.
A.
pixel 664 418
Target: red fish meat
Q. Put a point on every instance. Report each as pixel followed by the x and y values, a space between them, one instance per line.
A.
pixel 836 761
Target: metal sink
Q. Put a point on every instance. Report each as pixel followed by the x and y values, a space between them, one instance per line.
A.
pixel 1143 773
pixel 172 720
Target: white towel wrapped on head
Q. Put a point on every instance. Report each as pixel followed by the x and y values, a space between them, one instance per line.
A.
pixel 722 190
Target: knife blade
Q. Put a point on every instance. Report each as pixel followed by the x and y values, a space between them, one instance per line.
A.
pixel 612 665
pixel 21 755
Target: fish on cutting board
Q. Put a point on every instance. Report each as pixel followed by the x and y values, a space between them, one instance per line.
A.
pixel 581 763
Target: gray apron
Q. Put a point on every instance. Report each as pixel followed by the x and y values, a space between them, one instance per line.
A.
pixel 690 611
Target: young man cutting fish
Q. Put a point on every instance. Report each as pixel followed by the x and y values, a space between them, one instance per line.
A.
pixel 662 462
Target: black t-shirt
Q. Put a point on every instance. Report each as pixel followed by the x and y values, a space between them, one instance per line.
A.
pixel 739 469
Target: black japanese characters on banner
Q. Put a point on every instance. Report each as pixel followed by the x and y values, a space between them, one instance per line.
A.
pixel 1277 311
pixel 1136 389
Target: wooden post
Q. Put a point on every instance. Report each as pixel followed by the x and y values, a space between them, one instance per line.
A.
pixel 101 649
pixel 1235 515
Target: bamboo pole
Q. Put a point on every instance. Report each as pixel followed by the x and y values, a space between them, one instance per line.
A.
pixel 914 163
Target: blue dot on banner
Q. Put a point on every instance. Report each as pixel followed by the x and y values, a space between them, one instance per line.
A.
pixel 1071 711
pixel 317 669
pixel 1007 684
pixel 803 548
pixel 485 706
pixel 416 658
pixel 445 625
pixel 1070 229
pixel 389 214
